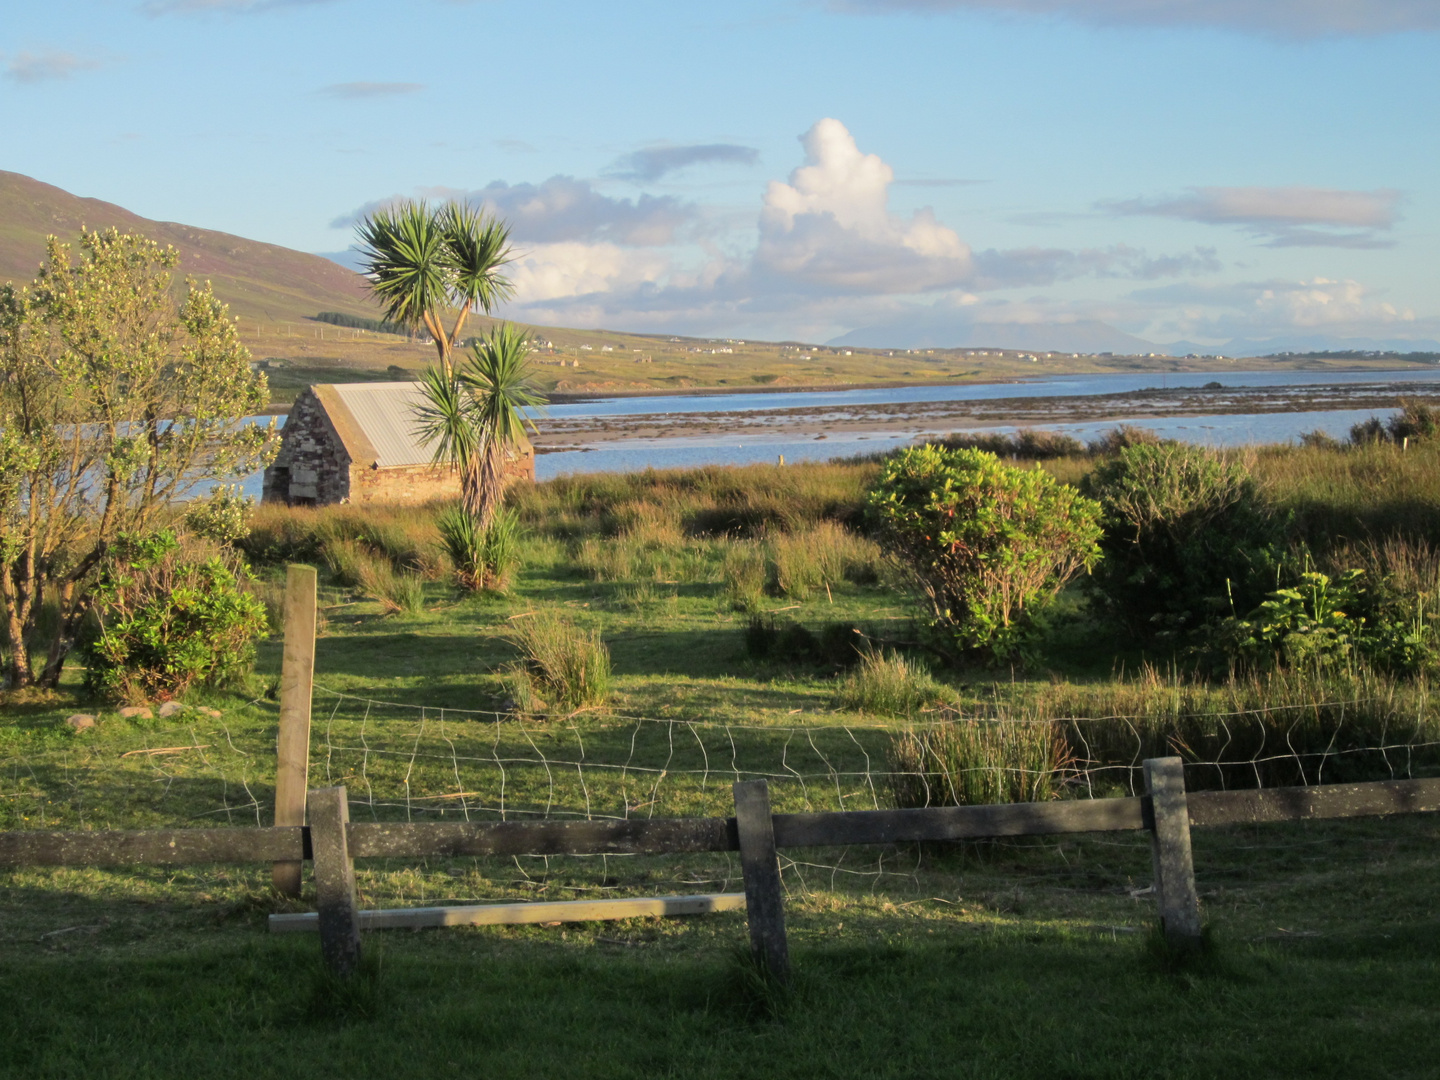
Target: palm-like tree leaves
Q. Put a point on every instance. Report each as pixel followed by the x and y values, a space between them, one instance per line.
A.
pixel 474 418
pixel 422 261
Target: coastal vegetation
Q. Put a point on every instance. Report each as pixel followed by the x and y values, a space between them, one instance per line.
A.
pixel 666 628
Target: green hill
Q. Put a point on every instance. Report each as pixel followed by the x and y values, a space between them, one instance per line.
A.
pixel 260 282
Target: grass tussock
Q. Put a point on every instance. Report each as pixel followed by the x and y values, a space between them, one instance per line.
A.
pixel 970 762
pixel 890 684
pixel 568 667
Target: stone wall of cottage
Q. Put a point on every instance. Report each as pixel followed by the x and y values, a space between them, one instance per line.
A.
pixel 312 466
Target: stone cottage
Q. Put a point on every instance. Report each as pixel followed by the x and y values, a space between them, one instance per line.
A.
pixel 357 443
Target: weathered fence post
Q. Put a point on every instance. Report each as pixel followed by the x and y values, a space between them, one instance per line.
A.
pixel 334 880
pixel 1175 895
pixel 764 905
pixel 292 745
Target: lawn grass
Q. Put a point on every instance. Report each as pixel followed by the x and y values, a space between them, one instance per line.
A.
pixel 1011 958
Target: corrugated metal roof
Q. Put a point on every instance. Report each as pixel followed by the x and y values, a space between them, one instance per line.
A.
pixel 385 414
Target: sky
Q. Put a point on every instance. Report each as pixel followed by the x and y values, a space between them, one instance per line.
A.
pixel 902 172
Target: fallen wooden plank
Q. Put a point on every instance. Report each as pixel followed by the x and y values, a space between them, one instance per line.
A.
pixel 152 846
pixel 515 914
pixel 958 822
pixel 1374 799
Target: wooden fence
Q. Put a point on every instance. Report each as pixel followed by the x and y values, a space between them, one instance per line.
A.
pixel 333 843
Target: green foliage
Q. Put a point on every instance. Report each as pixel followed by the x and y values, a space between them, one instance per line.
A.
pixel 972 762
pixel 1030 444
pixel 985 544
pixel 115 402
pixel 222 516
pixel 171 617
pixel 743 572
pixel 359 322
pixel 422 262
pixel 484 559
pixel 1186 533
pixel 1322 621
pixel 568 667
pixel 889 684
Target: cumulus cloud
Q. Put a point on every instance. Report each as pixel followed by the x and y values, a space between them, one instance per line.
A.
pixel 27 67
pixel 655 162
pixel 1278 18
pixel 371 89
pixel 1283 216
pixel 563 209
pixel 830 227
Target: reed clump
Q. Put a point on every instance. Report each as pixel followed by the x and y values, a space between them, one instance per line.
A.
pixel 567 666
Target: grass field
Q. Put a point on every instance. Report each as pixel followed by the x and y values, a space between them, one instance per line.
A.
pixel 998 959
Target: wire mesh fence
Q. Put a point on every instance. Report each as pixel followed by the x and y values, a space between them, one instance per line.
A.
pixel 407 762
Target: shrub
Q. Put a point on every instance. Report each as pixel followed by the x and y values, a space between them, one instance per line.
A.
pixel 972 762
pixel 742 570
pixel 223 516
pixel 568 666
pixel 171 617
pixel 1414 422
pixel 1122 437
pixel 1031 444
pixel 887 684
pixel 1322 621
pixel 1368 431
pixel 1185 534
pixel 985 544
pixel 484 559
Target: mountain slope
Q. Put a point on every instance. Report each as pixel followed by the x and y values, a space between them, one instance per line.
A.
pixel 260 282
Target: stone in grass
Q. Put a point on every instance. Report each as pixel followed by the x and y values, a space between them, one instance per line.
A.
pixel 214 714
pixel 136 712
pixel 170 708
pixel 80 721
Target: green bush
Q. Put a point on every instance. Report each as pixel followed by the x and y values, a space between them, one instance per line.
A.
pixel 171 617
pixel 1322 621
pixel 1186 537
pixel 222 516
pixel 985 544
pixel 484 559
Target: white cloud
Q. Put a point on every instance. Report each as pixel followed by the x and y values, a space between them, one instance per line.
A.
pixel 561 209
pixel 1342 308
pixel 654 162
pixel 566 270
pixel 1279 18
pixel 830 226
pixel 27 67
pixel 1293 216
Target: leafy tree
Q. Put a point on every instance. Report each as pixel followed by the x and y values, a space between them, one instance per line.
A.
pixel 424 262
pixel 431 265
pixel 115 402
pixel 983 542
pixel 1187 537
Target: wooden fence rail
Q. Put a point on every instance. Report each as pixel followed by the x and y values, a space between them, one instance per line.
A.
pixel 1167 812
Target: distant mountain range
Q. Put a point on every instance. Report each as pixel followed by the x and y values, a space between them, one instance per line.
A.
pixel 263 282
pixel 944 331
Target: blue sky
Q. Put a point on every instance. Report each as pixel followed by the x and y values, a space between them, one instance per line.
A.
pixel 1197 170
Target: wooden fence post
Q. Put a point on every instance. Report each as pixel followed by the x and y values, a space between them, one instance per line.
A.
pixel 764 904
pixel 334 880
pixel 1175 895
pixel 292 745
